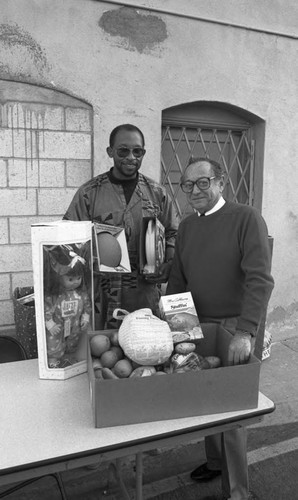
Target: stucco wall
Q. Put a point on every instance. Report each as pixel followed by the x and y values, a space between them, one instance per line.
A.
pixel 129 64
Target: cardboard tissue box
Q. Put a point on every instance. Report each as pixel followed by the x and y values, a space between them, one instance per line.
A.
pixel 180 313
pixel 177 395
pixel 152 245
pixel 110 249
pixel 63 291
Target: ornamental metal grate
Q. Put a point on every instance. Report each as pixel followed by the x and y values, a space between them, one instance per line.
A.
pixel 233 148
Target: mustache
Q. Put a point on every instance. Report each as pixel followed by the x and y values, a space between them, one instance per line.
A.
pixel 132 162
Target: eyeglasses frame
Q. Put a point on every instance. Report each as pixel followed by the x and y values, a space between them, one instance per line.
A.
pixel 131 150
pixel 196 183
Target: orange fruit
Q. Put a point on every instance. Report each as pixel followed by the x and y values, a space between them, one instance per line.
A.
pixel 114 338
pixel 123 368
pixel 96 363
pixel 117 349
pixel 99 344
pixel 98 374
pixel 109 359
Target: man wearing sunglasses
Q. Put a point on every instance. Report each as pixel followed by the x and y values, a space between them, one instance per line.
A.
pixel 121 197
pixel 222 256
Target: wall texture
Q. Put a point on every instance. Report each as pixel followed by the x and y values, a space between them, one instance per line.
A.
pixel 45 144
pixel 107 63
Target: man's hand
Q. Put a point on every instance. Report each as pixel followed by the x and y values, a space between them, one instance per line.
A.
pixel 239 348
pixel 162 275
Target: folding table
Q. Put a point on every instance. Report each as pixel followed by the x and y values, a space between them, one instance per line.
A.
pixel 46 426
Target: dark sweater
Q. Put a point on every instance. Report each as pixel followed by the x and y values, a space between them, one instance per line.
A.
pixel 224 260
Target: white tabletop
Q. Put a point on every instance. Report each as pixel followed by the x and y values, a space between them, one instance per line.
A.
pixel 43 420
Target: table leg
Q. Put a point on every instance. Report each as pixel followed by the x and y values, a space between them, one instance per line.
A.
pixel 139 476
pixel 116 470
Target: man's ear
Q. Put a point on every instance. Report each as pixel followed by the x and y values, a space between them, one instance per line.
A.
pixel 110 151
pixel 221 184
pixel 223 181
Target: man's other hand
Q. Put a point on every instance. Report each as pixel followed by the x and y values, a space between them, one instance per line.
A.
pixel 239 348
pixel 162 275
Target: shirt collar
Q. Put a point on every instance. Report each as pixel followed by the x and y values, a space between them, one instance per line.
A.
pixel 216 207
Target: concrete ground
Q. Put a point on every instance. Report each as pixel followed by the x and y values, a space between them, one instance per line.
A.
pixel 272 451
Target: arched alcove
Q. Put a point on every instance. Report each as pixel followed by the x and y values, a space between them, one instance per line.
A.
pixel 231 135
pixel 45 154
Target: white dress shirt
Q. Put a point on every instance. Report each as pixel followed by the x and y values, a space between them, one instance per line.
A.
pixel 216 207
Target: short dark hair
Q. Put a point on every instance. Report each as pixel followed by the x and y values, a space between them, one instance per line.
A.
pixel 129 128
pixel 216 167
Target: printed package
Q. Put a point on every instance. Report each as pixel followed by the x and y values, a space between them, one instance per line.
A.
pixel 152 245
pixel 179 311
pixel 62 260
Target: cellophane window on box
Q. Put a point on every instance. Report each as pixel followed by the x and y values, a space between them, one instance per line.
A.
pixel 63 290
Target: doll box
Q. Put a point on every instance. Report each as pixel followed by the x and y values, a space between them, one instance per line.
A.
pixel 152 398
pixel 110 249
pixel 179 311
pixel 62 254
pixel 152 245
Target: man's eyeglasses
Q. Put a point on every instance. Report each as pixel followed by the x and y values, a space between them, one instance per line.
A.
pixel 124 152
pixel 202 183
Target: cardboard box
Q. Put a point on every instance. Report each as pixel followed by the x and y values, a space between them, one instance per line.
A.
pixel 147 399
pixel 152 245
pixel 179 311
pixel 114 249
pixel 61 255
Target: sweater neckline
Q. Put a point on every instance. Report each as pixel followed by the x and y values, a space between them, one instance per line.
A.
pixel 213 215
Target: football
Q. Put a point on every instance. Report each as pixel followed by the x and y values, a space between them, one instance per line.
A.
pixel 109 249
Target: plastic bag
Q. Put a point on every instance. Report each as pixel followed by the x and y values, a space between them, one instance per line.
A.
pixel 144 338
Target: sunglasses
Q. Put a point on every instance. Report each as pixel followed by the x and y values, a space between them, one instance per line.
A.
pixel 124 152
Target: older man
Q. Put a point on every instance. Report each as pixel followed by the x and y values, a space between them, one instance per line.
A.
pixel 222 256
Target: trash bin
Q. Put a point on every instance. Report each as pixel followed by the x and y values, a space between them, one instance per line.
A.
pixel 264 339
pixel 24 315
pixel 266 352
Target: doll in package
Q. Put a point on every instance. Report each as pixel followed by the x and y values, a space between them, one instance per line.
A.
pixel 67 304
